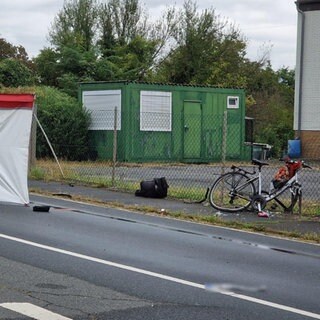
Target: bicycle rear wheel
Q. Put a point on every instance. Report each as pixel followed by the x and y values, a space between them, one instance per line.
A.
pixel 232 192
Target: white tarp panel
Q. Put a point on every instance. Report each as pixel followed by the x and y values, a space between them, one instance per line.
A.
pixel 15 127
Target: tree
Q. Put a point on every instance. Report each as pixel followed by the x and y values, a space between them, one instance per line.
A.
pixel 132 61
pixel 75 25
pixel 7 50
pixel 65 68
pixel 207 50
pixel 125 45
pixel 121 21
pixel 273 122
pixel 47 66
pixel 73 34
pixel 273 93
pixel 14 73
pixel 129 41
pixel 287 82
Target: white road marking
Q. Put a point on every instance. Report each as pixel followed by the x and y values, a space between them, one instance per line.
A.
pixel 32 311
pixel 162 276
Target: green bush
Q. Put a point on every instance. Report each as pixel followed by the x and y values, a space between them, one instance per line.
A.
pixel 65 122
pixel 14 73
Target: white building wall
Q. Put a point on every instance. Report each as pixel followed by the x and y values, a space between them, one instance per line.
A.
pixel 310 90
pixel 297 75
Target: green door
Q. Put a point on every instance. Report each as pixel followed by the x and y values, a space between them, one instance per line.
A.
pixel 191 130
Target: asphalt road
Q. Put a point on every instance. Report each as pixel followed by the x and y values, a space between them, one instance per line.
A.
pixel 86 262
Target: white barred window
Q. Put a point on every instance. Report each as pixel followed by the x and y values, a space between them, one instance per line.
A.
pixel 233 102
pixel 155 111
pixel 101 104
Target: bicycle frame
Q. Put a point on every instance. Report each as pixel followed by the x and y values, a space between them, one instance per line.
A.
pixel 289 184
pixel 271 195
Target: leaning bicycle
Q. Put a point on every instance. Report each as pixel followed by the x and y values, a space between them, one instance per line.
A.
pixel 240 189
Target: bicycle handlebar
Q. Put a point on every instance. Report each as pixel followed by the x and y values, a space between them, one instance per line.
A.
pixel 306 166
pixel 288 160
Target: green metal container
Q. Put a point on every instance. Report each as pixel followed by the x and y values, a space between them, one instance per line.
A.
pixel 163 122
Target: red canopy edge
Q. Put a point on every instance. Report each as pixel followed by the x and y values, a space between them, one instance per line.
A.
pixel 10 101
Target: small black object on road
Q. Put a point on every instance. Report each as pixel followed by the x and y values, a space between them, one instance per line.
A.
pixel 41 208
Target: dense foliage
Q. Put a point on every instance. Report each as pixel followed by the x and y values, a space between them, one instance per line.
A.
pixel 93 40
pixel 272 109
pixel 65 122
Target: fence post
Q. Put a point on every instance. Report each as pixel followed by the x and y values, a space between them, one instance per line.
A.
pixel 224 140
pixel 115 146
pixel 49 144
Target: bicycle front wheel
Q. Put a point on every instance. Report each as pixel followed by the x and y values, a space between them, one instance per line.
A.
pixel 232 192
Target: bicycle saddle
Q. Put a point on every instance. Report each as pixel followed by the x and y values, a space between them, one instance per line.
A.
pixel 259 163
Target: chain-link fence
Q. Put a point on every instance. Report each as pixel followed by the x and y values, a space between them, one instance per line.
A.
pixel 189 150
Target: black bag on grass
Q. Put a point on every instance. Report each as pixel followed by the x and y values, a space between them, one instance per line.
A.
pixel 156 188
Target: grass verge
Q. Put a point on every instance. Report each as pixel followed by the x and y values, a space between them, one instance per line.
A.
pixel 47 170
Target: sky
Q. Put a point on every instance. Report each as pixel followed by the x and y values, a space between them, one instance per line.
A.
pixel 264 25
